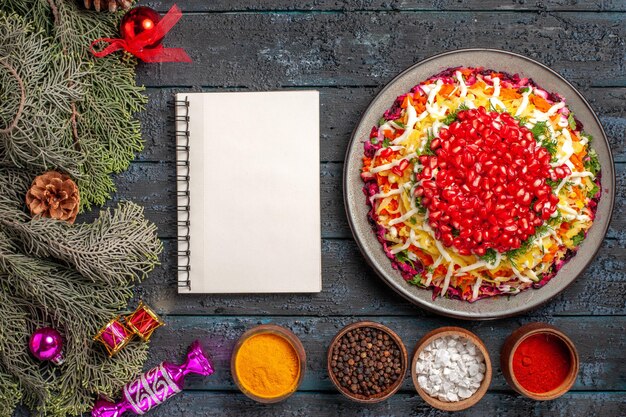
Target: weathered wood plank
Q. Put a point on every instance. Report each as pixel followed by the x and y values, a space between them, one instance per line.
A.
pixel 601 365
pixel 406 403
pixel 152 186
pixel 341 109
pixel 351 287
pixel 362 48
pixel 386 5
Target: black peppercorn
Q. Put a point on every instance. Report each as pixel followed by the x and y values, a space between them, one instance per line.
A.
pixel 366 362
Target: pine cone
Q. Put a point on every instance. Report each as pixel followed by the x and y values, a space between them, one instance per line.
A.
pixel 110 5
pixel 54 195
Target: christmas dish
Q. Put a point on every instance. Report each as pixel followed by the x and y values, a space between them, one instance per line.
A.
pixel 480 183
pixel 485 174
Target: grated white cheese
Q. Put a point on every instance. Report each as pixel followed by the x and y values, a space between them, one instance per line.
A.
pixel 524 102
pixel 410 125
pixel 496 87
pixel 390 165
pixel 406 245
pixel 495 103
pixel 459 77
pixel 446 281
pixel 404 217
pixel 476 287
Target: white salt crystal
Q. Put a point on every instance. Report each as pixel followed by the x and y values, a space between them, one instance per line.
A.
pixel 465 393
pixel 452 397
pixel 450 368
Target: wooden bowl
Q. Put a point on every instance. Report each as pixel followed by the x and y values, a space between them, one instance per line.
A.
pixel 512 343
pixel 403 358
pixel 484 385
pixel 286 334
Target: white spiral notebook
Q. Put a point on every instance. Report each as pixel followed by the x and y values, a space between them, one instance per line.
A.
pixel 248 185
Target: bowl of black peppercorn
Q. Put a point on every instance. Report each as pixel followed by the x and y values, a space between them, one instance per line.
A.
pixel 367 362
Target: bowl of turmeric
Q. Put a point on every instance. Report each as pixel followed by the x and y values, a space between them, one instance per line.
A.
pixel 268 363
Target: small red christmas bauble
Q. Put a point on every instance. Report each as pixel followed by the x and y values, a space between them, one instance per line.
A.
pixel 138 20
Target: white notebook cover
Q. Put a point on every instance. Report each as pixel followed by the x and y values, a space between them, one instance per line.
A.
pixel 254 192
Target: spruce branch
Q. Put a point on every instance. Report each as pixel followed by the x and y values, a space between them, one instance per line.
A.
pixel 117 247
pixel 74 114
pixel 20 108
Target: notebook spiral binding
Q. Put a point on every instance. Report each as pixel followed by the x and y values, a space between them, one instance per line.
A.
pixel 182 193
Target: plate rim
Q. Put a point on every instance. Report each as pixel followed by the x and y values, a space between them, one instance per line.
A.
pixel 468 315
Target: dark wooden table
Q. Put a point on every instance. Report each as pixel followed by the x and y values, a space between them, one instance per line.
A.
pixel 348 50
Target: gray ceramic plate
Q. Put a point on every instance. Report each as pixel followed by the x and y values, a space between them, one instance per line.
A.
pixel 495 307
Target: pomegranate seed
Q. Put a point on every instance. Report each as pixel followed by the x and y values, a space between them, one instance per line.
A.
pixel 553 199
pixel 482 182
pixel 386 152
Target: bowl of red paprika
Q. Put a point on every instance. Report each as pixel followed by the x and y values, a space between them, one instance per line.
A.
pixel 539 361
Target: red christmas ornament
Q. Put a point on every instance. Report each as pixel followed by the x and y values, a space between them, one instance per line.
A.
pixel 137 21
pixel 142 30
pixel 144 321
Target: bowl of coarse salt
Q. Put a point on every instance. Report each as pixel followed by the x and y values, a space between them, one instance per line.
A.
pixel 451 368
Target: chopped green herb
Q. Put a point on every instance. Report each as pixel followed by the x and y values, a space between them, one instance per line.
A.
pixel 412 220
pixel 527 244
pixel 550 146
pixel 578 239
pixel 400 125
pixel 427 150
pixel 592 164
pixel 381 121
pixel 524 89
pixel 571 121
pixel 489 256
pixel 587 136
pixel 416 280
pixel 386 143
pixel 403 257
pixel 557 220
pixel 451 117
pixel 594 190
pixel 539 129
pixel 553 184
pixel 521 120
pixel 373 141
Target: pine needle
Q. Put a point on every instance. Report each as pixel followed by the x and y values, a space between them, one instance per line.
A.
pixel 77 117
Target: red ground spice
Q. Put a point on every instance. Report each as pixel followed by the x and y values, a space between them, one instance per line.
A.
pixel 541 363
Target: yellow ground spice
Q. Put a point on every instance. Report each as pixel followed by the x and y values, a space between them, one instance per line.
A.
pixel 267 365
